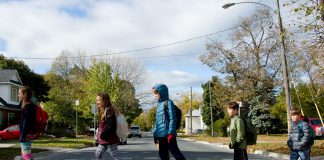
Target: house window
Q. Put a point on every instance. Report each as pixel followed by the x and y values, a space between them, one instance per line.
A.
pixel 11 118
pixel 14 94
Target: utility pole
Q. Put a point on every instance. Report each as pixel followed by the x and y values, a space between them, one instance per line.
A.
pixel 93 108
pixel 211 111
pixel 191 110
pixel 76 119
pixel 284 67
pixel 301 108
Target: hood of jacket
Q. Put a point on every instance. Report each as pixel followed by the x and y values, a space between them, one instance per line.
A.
pixel 163 91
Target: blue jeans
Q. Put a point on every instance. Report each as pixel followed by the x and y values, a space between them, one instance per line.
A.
pixel 26 150
pixel 303 154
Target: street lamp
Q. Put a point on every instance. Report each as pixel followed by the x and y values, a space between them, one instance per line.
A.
pixel 227 5
pixel 283 55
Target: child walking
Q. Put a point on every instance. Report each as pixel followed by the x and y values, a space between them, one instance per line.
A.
pixel 107 137
pixel 28 112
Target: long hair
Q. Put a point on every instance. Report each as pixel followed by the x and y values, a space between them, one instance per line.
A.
pixel 107 109
pixel 29 94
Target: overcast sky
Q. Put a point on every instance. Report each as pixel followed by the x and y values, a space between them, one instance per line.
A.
pixel 44 28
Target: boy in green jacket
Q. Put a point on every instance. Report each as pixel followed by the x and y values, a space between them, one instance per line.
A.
pixel 237 132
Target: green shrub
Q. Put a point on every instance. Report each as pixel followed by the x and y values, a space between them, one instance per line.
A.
pixel 220 127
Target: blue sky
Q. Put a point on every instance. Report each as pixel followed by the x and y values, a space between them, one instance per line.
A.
pixel 46 28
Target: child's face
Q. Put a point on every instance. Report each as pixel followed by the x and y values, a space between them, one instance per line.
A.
pixel 21 95
pixel 232 112
pixel 156 94
pixel 99 102
pixel 295 117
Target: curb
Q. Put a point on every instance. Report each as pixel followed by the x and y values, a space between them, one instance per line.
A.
pixel 271 154
pixel 51 151
pixel 259 152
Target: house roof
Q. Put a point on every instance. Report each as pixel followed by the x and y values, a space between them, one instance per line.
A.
pixel 6 75
pixel 12 107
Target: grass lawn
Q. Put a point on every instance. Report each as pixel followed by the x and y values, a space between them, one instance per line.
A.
pixel 10 153
pixel 271 143
pixel 82 142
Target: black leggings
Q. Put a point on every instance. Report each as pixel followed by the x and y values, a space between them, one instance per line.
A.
pixel 164 148
pixel 240 154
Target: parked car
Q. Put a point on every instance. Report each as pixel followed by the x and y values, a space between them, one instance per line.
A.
pixel 198 131
pixel 317 126
pixel 134 131
pixel 11 132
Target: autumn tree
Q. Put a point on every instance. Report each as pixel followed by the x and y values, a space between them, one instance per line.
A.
pixel 184 104
pixel 250 68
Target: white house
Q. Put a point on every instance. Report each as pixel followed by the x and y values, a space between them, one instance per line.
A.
pixel 197 121
pixel 9 85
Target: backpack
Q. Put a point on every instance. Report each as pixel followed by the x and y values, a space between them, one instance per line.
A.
pixel 250 132
pixel 311 132
pixel 40 122
pixel 121 130
pixel 178 114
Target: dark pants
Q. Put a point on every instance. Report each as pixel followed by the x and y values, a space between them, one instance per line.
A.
pixel 240 154
pixel 164 148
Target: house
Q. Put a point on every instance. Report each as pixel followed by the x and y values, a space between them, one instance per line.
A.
pixel 197 121
pixel 9 86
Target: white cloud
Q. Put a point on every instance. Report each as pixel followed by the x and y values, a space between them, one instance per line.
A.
pixel 45 28
pixel 173 79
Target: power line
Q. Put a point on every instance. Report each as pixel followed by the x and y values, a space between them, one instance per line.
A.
pixel 148 57
pixel 136 50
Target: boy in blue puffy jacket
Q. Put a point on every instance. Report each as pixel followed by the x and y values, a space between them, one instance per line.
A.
pixel 165 124
pixel 299 137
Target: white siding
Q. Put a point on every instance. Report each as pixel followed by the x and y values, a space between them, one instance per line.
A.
pixel 5 93
pixel 15 77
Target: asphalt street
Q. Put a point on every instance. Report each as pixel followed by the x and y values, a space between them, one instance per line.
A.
pixel 144 149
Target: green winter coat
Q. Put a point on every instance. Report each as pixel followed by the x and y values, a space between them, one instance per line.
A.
pixel 237 132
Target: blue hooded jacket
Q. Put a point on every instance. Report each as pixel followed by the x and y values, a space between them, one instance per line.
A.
pixel 162 126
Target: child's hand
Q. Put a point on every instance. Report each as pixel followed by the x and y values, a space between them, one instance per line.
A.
pixel 155 140
pixel 230 146
pixel 169 137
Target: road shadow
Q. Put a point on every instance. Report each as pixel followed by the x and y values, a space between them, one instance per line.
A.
pixel 152 155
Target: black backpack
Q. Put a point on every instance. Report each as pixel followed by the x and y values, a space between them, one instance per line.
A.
pixel 250 132
pixel 178 113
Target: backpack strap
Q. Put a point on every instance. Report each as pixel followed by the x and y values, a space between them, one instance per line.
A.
pixel 245 125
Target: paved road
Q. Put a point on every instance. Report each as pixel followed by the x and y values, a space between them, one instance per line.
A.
pixel 144 149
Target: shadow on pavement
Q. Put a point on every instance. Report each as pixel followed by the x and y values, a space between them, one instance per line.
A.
pixel 139 155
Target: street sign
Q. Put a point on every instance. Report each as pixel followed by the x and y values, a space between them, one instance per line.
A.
pixel 77 102
pixel 93 108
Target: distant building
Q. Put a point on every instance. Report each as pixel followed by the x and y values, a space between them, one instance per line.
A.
pixel 197 121
pixel 9 86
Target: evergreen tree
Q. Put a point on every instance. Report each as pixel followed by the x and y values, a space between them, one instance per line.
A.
pixel 260 107
pixel 218 100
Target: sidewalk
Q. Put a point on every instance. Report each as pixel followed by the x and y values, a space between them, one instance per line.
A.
pixel 6 145
pixel 51 151
pixel 260 152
